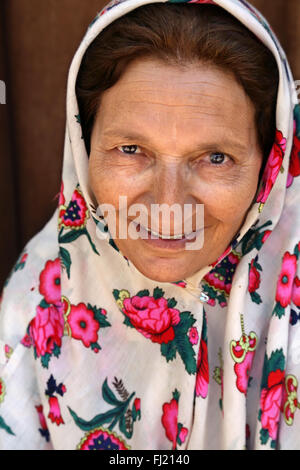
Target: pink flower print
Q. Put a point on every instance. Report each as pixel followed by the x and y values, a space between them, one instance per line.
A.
pixel 169 420
pixel 211 302
pixel 217 281
pixel 27 341
pixel 50 282
pixel 43 429
pixel 61 199
pixel 272 167
pixel 136 409
pixel 254 278
pixel 2 390
pixel 211 2
pixel 193 335
pixel 8 351
pixel 242 352
pixel 152 317
pixel 54 413
pixel 286 278
pixel 83 324
pixel 242 372
pixel 102 439
pixel 24 258
pixel 267 233
pixel 46 329
pixel 271 402
pixel 42 418
pixel 137 404
pixel 296 292
pixel 180 284
pixel 290 399
pixel 174 431
pixel 294 168
pixel 202 379
pixel 76 214
pixel 182 435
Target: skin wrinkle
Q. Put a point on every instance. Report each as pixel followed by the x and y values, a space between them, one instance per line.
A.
pixel 174 164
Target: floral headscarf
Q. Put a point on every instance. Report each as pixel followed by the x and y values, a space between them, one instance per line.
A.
pixel 93 355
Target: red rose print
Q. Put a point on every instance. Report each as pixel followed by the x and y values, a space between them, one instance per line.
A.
pixel 50 281
pixel 271 402
pixel 46 329
pixel 83 324
pixel 54 413
pixel 254 278
pixel 202 378
pixel 286 278
pixel 272 167
pixel 152 317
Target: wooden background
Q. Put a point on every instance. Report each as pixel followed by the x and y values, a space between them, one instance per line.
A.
pixel 38 39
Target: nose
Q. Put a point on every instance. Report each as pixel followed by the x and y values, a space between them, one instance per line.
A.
pixel 169 186
pixel 170 191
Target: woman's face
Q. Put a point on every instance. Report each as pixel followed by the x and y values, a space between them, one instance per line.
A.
pixel 166 134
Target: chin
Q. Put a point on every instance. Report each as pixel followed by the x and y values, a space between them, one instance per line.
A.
pixel 163 272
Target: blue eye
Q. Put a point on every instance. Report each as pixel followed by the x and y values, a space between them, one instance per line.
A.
pixel 217 158
pixel 129 149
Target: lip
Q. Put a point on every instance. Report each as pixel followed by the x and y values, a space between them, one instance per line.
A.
pixel 165 244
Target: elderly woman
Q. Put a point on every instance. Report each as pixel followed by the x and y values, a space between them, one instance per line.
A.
pixel 164 339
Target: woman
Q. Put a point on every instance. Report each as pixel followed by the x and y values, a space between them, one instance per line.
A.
pixel 138 342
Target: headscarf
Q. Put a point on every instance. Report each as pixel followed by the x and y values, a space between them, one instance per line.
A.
pixel 94 355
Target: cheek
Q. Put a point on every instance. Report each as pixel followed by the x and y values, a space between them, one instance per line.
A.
pixel 108 184
pixel 229 203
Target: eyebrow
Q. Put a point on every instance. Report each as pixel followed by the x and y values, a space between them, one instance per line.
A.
pixel 135 136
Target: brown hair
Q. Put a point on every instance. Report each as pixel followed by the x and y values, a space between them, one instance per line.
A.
pixel 180 34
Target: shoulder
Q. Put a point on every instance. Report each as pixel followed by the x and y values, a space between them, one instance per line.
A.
pixel 21 293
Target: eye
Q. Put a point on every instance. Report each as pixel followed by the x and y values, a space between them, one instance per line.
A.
pixel 217 158
pixel 129 149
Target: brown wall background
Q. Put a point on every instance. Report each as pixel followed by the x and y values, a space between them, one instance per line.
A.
pixel 38 39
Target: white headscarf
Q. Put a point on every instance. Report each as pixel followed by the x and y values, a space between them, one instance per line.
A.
pixel 93 355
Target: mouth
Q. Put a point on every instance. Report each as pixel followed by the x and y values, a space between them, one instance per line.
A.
pixel 175 242
pixel 156 235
